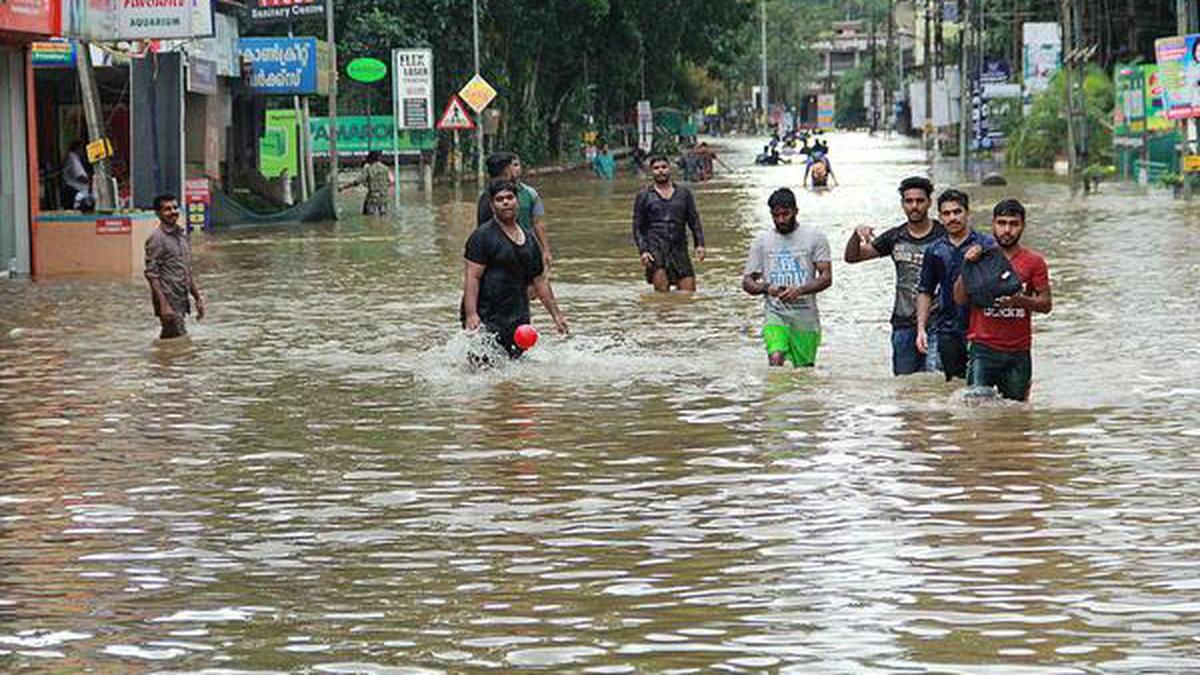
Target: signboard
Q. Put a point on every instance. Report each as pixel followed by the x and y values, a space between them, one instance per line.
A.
pixel 1179 68
pixel 358 135
pixel 222 48
pixel 455 116
pixel 366 70
pixel 197 198
pixel 98 150
pixel 1042 55
pixel 116 20
pixel 202 76
pixel 277 147
pixel 53 54
pixel 477 93
pixel 645 126
pixel 105 226
pixel 278 11
pixel 1191 163
pixel 28 16
pixel 280 65
pixel 826 105
pixel 412 88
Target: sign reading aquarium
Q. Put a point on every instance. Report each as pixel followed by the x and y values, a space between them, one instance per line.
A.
pixel 287 65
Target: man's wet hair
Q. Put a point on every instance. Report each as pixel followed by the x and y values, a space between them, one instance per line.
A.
pixel 916 183
pixel 1009 207
pixel 782 198
pixel 953 195
pixel 373 156
pixel 163 199
pixel 657 158
pixel 499 185
pixel 497 162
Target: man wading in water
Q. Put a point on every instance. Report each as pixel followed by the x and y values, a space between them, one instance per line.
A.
pixel 906 245
pixel 502 260
pixel 661 212
pixel 169 270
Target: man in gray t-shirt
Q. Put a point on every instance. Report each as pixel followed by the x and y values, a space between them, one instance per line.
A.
pixel 788 266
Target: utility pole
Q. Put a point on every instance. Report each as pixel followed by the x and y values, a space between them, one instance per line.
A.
pixel 333 94
pixel 966 105
pixel 927 129
pixel 1082 53
pixel 1069 80
pixel 766 98
pixel 478 116
pixel 106 198
pixel 888 103
pixel 874 77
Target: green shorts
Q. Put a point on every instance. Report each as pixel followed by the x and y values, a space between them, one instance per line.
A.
pixel 1009 372
pixel 797 346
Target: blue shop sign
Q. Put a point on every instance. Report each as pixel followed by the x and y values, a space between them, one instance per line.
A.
pixel 286 65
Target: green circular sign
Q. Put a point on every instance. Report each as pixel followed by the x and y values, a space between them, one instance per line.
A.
pixel 367 70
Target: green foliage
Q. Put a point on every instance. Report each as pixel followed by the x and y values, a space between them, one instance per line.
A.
pixel 849 112
pixel 1035 139
pixel 554 63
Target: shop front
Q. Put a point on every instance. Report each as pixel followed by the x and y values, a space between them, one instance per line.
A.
pixel 21 22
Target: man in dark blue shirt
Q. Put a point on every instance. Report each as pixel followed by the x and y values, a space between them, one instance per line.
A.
pixel 941 324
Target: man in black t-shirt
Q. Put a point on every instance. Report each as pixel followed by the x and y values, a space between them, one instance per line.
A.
pixel 502 259
pixel 905 244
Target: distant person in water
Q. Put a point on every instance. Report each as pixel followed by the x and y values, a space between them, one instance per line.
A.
pixel 663 212
pixel 502 259
pixel 604 163
pixel 788 265
pixel 379 180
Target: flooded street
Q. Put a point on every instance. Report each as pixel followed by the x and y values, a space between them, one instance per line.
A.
pixel 316 482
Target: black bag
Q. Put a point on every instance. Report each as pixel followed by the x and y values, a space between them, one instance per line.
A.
pixel 990 277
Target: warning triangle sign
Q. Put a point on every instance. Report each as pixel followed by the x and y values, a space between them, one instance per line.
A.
pixel 455 116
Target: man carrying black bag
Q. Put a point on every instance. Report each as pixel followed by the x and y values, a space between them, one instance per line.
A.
pixel 1001 325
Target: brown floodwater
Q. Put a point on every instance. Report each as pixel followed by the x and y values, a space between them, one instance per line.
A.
pixel 315 481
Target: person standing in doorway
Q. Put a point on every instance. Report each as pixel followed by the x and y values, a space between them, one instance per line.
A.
pixel 788 265
pixel 905 244
pixel 77 179
pixel 663 212
pixel 169 270
pixel 1001 335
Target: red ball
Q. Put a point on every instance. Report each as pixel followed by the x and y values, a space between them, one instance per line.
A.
pixel 526 336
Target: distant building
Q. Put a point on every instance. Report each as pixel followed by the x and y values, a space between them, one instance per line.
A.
pixel 848 46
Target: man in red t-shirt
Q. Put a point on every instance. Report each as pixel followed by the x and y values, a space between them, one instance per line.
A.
pixel 1000 336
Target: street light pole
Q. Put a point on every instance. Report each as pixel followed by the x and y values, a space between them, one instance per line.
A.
pixel 766 98
pixel 478 116
pixel 333 93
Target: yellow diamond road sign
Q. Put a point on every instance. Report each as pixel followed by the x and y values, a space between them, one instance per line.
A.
pixel 477 93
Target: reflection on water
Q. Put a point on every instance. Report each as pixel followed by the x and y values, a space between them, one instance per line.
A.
pixel 315 481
